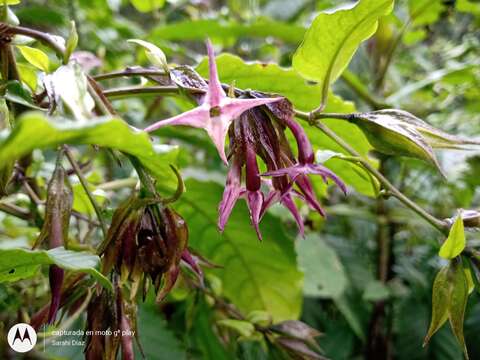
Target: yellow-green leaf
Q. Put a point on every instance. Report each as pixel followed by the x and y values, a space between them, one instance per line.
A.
pixel 28 75
pixel 440 302
pixel 154 54
pixel 35 57
pixel 147 5
pixel 332 39
pixel 72 42
pixel 243 328
pixel 455 242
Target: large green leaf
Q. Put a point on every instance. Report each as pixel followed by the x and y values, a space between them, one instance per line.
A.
pixel 154 335
pixel 36 131
pixel 255 275
pixel 325 278
pixel 19 263
pixel 332 39
pixel 225 30
pixel 286 82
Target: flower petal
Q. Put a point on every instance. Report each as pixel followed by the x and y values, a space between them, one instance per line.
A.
pixel 233 108
pixel 288 202
pixel 306 189
pixel 215 91
pixel 231 194
pixel 55 276
pixel 198 118
pixel 255 204
pixel 316 169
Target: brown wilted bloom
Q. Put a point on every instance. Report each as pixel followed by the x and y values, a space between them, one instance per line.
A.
pixel 110 326
pixel 147 241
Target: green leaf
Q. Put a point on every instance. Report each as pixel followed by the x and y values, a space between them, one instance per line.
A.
pixel 28 75
pixel 255 275
pixel 243 328
pixel 375 291
pixel 458 303
pixel 203 334
pixel 154 334
pixel 19 93
pixel 18 263
pixel 325 278
pixel 35 131
pixel 81 201
pixel 440 302
pixel 154 54
pixel 332 39
pixel 455 242
pixel 227 30
pixel 10 2
pixel 72 42
pixel 286 82
pixel 147 5
pixel 69 83
pixel 35 57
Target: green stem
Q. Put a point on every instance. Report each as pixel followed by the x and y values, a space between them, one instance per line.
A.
pixel 118 184
pixel 44 38
pixel 314 121
pixel 146 90
pixel 15 210
pixel 84 183
pixel 354 83
pixel 129 72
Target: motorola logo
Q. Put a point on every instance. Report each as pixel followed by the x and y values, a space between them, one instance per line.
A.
pixel 22 337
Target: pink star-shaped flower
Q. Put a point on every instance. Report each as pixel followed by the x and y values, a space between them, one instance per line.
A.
pixel 217 111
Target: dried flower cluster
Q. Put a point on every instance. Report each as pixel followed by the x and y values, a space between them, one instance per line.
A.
pixel 147 240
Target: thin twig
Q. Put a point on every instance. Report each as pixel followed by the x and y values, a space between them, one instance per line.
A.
pixel 129 72
pixel 84 183
pixel 44 38
pixel 314 121
pixel 15 210
pixel 146 90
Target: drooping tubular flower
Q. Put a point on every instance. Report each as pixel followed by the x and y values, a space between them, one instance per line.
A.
pixel 216 111
pixel 260 134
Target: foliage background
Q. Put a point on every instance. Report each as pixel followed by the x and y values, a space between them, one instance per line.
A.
pixel 330 279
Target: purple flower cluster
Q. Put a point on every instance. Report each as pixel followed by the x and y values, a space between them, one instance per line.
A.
pixel 256 124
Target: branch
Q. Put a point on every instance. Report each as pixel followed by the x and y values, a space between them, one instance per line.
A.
pixel 44 38
pixel 148 90
pixel 129 72
pixel 442 226
pixel 84 183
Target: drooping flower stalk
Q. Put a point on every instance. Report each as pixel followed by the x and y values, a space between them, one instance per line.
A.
pixel 55 227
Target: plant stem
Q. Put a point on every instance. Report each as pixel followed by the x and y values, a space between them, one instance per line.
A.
pixel 129 72
pixel 84 183
pixel 146 90
pixel 44 38
pixel 354 83
pixel 314 121
pixel 118 184
pixel 15 210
